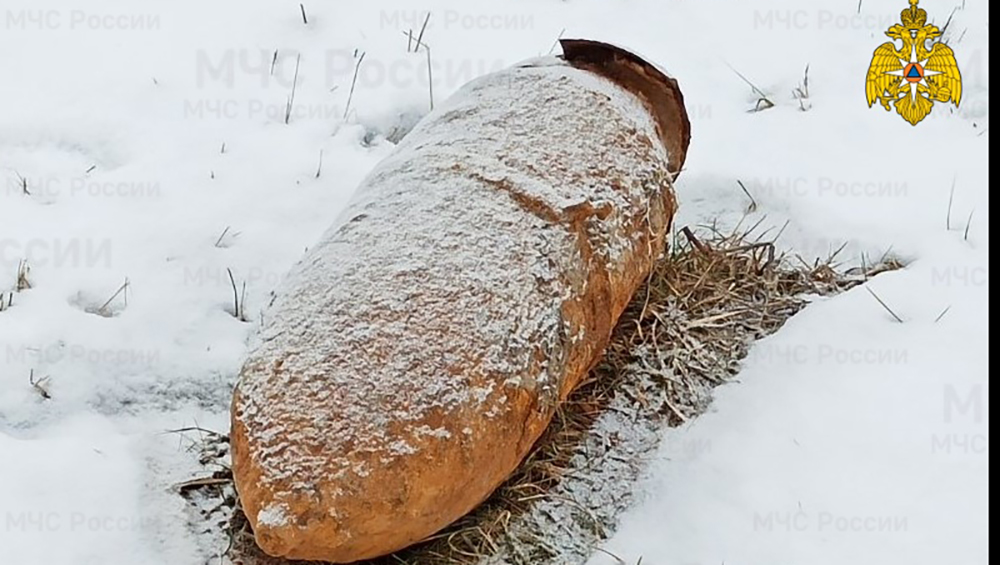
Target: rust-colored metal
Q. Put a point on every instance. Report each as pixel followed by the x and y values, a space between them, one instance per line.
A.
pixel 648 82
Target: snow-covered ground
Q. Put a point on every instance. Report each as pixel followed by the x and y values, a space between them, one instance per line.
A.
pixel 152 141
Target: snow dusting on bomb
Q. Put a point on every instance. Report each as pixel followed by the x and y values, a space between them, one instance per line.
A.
pixel 419 350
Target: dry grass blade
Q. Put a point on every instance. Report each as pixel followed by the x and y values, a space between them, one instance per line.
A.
pixel 423 28
pixel 556 42
pixel 884 305
pixel 763 101
pixel 753 202
pixel 122 291
pixel 23 282
pixel 968 224
pixel 290 103
pixel 942 314
pixel 218 242
pixel 354 83
pixel 951 200
pixel 40 385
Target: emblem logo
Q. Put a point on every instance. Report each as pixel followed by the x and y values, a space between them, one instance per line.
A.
pixel 913 77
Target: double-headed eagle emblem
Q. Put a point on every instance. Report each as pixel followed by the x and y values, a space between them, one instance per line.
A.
pixel 913 77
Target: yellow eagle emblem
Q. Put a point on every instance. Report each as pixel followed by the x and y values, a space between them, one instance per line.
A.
pixel 913 77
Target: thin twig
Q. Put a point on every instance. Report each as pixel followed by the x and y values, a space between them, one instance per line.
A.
pixel 951 199
pixel 218 242
pixel 123 288
pixel 947 23
pixel 884 305
pixel 968 224
pixel 423 28
pixel 236 296
pixel 556 42
pixel 701 247
pixel 243 303
pixel 195 429
pixel 430 76
pixel 760 93
pixel 39 385
pixel 941 315
pixel 295 82
pixel 23 282
pixel 202 482
pixel 354 82
pixel 24 184
pixel 753 203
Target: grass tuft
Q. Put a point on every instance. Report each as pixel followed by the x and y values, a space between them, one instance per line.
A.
pixel 683 334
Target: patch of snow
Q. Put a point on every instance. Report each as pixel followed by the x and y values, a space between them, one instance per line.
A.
pixel 274 515
pixel 152 103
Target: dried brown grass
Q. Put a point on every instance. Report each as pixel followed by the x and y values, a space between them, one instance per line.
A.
pixel 686 330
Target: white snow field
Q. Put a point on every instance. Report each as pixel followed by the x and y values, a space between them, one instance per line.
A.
pixel 147 142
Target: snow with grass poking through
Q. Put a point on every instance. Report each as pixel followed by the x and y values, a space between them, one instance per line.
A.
pixel 153 140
